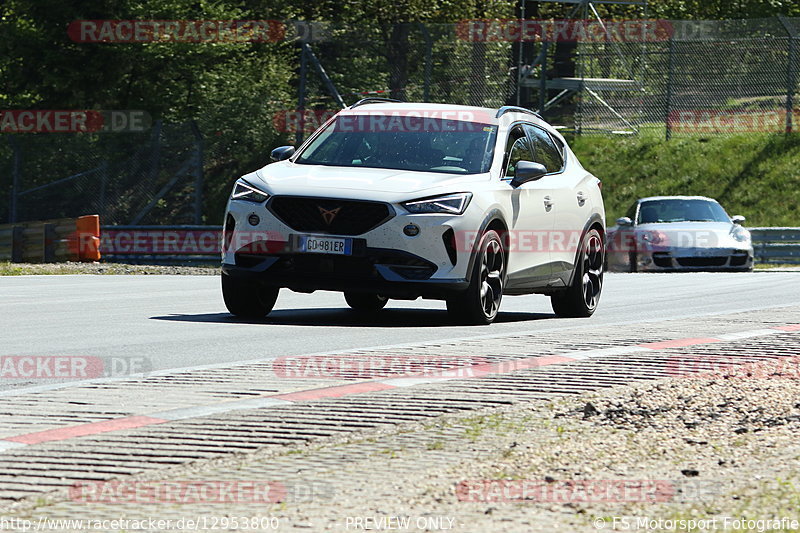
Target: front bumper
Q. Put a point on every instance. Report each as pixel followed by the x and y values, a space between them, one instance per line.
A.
pixel 689 259
pixel 383 260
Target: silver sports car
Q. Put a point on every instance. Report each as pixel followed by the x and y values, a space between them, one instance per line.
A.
pixel 667 233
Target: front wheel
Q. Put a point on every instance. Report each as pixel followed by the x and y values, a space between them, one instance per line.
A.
pixel 363 302
pixel 480 302
pixel 581 298
pixel 247 299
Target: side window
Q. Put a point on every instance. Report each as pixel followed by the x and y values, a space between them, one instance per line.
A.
pixel 544 149
pixel 517 149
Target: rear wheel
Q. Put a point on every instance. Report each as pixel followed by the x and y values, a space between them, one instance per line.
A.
pixel 364 302
pixel 480 302
pixel 583 295
pixel 247 299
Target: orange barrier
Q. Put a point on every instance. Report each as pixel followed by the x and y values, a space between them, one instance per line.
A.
pixel 88 230
pixel 66 239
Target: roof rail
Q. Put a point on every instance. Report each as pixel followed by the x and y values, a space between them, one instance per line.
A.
pixel 375 100
pixel 515 109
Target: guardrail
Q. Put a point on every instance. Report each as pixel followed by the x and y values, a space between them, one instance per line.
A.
pixel 776 245
pixel 65 239
pixel 56 240
pixel 161 244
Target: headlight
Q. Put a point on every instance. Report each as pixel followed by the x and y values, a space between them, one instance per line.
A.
pixel 451 204
pixel 244 191
pixel 654 237
pixel 740 234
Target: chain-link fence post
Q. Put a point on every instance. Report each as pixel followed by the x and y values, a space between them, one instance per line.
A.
pixel 668 95
pixel 791 79
pixel 16 164
pixel 543 81
pixel 198 173
pixel 301 98
pixel 426 89
pixel 103 188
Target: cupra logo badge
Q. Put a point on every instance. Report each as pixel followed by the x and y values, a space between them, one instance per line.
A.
pixel 328 215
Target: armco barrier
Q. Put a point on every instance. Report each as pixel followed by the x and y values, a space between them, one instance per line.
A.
pixel 49 241
pixel 161 244
pixel 81 240
pixel 201 244
pixel 776 245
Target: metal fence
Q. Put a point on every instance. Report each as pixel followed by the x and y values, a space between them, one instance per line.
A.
pixel 150 177
pixel 694 78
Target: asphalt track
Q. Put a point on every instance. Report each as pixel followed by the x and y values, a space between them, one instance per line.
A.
pixel 180 321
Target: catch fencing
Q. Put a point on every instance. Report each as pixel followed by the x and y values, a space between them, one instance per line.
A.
pixel 702 77
pixel 692 78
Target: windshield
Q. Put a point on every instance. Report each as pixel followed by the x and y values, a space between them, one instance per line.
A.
pixel 403 143
pixel 657 211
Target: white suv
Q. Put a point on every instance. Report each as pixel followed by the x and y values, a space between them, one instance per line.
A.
pixel 401 201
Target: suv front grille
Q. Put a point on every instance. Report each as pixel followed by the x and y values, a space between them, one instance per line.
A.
pixel 328 215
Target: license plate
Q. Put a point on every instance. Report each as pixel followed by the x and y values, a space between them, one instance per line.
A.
pixel 325 245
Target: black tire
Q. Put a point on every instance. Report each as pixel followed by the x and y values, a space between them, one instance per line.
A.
pixel 364 302
pixel 247 299
pixel 480 302
pixel 581 298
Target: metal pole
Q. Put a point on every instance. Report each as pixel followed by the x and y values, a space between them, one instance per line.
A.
pixel 791 84
pixel 426 90
pixel 668 96
pixel 15 177
pixel 198 174
pixel 543 81
pixel 103 187
pixel 520 57
pixel 791 80
pixel 301 98
pixel 324 76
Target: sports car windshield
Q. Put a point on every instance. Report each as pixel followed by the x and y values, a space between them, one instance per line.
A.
pixel 403 143
pixel 658 211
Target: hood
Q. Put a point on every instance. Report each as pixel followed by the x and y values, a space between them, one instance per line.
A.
pixel 692 234
pixel 341 182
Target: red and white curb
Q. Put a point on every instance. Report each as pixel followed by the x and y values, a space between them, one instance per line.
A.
pixel 339 391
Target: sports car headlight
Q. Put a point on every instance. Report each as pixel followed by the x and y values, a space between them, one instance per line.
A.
pixel 654 237
pixel 740 234
pixel 451 204
pixel 244 191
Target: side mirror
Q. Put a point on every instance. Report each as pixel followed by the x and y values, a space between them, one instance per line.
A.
pixel 738 219
pixel 281 153
pixel 527 171
pixel 624 221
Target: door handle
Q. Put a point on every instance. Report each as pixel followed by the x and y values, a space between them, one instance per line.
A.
pixel 581 198
pixel 548 202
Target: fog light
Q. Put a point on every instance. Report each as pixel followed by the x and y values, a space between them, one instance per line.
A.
pixel 412 230
pixel 253 219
